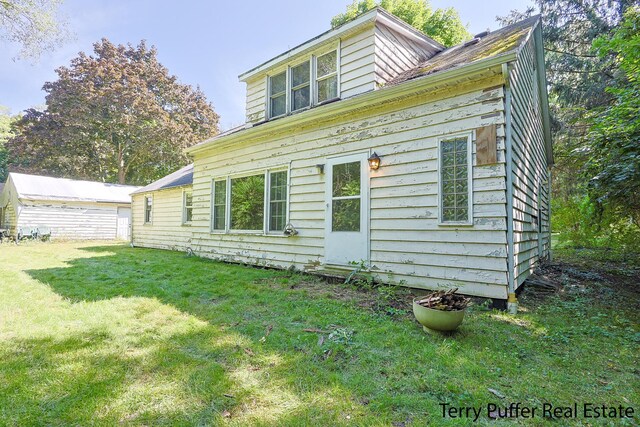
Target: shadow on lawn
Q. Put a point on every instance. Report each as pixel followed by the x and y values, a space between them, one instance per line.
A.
pixel 244 351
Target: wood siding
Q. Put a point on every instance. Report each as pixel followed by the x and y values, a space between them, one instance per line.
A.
pixel 166 230
pixel 395 53
pixel 357 63
pixel 77 221
pixel 530 173
pixel 256 99
pixel 407 244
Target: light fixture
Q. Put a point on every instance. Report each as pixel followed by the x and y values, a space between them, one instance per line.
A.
pixel 320 168
pixel 374 161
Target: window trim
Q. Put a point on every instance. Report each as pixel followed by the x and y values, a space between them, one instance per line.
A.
pixel 266 172
pixel 184 207
pixel 313 81
pixel 470 139
pixel 226 204
pixel 317 79
pixel 150 210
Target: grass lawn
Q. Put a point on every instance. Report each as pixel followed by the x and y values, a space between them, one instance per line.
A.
pixel 106 334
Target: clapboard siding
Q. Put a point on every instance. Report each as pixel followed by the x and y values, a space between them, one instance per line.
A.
pixel 396 53
pixel 256 99
pixel 407 245
pixel 530 173
pixel 166 230
pixel 82 221
pixel 357 63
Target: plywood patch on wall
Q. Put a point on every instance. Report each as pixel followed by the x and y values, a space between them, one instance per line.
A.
pixel 486 145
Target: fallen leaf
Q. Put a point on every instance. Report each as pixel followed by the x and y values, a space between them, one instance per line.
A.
pixel 226 414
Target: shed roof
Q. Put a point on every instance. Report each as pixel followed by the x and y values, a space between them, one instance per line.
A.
pixel 500 42
pixel 178 178
pixel 500 45
pixel 35 187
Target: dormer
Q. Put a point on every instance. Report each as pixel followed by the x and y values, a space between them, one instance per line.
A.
pixel 357 57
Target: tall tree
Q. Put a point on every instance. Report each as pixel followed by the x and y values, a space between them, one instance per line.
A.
pixel 443 25
pixel 34 24
pixel 116 116
pixel 614 138
pixel 5 133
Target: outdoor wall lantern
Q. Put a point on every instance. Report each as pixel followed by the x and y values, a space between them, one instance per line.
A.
pixel 374 161
pixel 320 168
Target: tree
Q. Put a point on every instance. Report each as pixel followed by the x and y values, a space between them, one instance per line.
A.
pixel 442 25
pixel 117 116
pixel 614 138
pixel 32 23
pixel 5 133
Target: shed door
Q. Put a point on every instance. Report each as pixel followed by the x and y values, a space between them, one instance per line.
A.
pixel 347 213
pixel 123 227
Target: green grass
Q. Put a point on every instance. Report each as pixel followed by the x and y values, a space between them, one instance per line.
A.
pixel 104 335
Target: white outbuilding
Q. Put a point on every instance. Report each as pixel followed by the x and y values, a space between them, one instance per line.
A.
pixel 66 208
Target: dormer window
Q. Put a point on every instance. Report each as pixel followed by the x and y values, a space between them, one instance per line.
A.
pixel 278 94
pixel 300 86
pixel 303 85
pixel 327 77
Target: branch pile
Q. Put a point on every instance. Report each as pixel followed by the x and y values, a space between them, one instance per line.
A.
pixel 445 300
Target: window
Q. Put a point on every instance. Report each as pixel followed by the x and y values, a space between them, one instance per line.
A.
pixel 300 86
pixel 327 77
pixel 455 180
pixel 244 209
pixel 148 204
pixel 247 203
pixel 345 197
pixel 278 94
pixel 187 211
pixel 277 200
pixel 219 205
pixel 291 90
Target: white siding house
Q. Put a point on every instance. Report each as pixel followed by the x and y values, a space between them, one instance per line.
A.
pixel 460 197
pixel 69 209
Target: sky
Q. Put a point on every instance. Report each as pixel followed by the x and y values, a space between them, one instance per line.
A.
pixel 203 43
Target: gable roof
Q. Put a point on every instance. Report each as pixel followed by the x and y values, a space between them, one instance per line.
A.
pixel 36 187
pixel 377 14
pixel 505 41
pixel 179 178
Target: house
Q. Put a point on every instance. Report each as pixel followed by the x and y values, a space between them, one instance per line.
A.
pixel 162 213
pixel 373 144
pixel 69 209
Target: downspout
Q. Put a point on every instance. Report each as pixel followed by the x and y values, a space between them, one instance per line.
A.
pixel 512 301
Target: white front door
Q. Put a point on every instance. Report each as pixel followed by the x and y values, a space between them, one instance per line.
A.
pixel 122 229
pixel 347 213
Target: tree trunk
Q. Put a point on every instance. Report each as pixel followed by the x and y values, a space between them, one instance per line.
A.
pixel 121 168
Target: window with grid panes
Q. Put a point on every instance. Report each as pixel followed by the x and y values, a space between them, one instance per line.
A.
pixel 277 200
pixel 219 205
pixel 278 94
pixel 454 180
pixel 327 76
pixel 300 86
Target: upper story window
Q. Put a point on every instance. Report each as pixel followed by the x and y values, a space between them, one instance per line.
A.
pixel 300 86
pixel 306 84
pixel 278 94
pixel 327 76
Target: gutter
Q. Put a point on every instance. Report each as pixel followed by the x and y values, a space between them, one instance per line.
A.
pixel 368 99
pixel 512 302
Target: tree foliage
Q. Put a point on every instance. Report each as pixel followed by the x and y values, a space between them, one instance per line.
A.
pixel 442 25
pixel 614 137
pixel 116 116
pixel 589 54
pixel 33 24
pixel 5 133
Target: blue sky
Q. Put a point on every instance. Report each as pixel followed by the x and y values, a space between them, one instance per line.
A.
pixel 205 43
